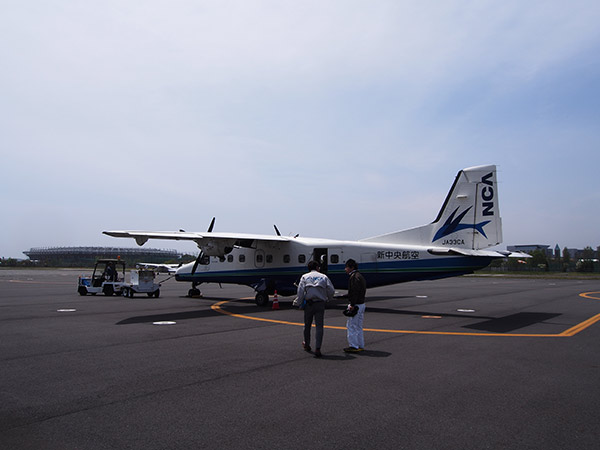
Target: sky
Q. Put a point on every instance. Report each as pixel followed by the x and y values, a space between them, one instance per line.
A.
pixel 340 119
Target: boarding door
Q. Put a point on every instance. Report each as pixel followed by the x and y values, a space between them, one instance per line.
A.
pixel 321 256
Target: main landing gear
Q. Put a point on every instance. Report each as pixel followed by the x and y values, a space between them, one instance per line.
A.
pixel 262 298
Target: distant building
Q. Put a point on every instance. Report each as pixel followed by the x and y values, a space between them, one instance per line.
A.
pixel 87 256
pixel 574 253
pixel 528 248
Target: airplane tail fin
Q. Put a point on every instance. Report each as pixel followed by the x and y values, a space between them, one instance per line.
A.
pixel 468 219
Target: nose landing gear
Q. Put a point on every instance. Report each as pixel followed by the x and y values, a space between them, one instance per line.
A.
pixel 194 291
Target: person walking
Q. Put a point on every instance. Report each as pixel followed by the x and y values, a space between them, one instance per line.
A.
pixel 315 289
pixel 357 288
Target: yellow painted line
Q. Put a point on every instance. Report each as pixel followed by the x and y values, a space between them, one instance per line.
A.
pixel 589 295
pixel 581 326
pixel 568 333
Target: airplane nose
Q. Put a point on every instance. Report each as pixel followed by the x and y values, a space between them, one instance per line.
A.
pixel 186 268
pixel 184 273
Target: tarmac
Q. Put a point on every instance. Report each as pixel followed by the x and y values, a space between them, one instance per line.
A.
pixel 463 363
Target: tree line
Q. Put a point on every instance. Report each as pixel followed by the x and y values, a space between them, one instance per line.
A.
pixel 587 260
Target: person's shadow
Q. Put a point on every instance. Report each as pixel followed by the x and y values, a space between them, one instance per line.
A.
pixel 349 356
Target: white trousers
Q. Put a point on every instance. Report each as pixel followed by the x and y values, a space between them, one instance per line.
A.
pixel 354 325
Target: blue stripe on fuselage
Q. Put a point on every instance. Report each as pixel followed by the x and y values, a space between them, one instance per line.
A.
pixel 376 274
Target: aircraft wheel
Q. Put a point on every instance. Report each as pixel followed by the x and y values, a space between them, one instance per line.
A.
pixel 262 299
pixel 157 293
pixel 150 294
pixel 194 292
pixel 82 290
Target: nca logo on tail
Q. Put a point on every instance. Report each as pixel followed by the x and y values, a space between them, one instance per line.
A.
pixel 487 195
pixel 453 222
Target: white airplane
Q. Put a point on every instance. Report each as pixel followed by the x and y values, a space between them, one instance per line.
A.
pixel 454 244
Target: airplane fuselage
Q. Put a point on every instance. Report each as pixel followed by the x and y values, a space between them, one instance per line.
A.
pixel 278 266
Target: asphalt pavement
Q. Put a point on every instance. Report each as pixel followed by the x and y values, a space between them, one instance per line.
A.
pixel 463 363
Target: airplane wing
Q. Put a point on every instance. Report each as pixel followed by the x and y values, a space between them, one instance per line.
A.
pixel 212 244
pixel 160 268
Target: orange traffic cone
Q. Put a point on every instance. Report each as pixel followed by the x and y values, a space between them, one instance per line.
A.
pixel 275 301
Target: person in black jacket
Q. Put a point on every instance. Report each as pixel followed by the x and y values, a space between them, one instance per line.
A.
pixel 357 288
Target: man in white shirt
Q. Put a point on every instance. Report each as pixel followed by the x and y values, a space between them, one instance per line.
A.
pixel 315 289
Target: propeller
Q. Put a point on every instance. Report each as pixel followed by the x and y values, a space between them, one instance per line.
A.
pixel 195 266
pixel 201 254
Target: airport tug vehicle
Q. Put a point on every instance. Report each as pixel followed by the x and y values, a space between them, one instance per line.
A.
pixel 108 278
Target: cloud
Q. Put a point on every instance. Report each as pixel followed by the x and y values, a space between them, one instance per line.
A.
pixel 177 111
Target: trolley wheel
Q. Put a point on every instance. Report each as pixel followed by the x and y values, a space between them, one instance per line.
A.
pixel 108 290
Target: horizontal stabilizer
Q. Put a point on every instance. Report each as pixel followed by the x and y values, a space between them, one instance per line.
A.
pixel 465 252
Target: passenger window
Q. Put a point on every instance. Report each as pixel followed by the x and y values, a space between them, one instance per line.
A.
pixel 335 259
pixel 259 258
pixel 229 258
pixel 286 259
pixel 301 259
pixel 269 259
pixel 242 258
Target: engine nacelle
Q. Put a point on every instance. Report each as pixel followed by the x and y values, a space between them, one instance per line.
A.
pixel 215 247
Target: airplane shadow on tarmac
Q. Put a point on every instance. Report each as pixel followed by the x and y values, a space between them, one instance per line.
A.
pixel 491 324
pixel 512 322
pixel 196 314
